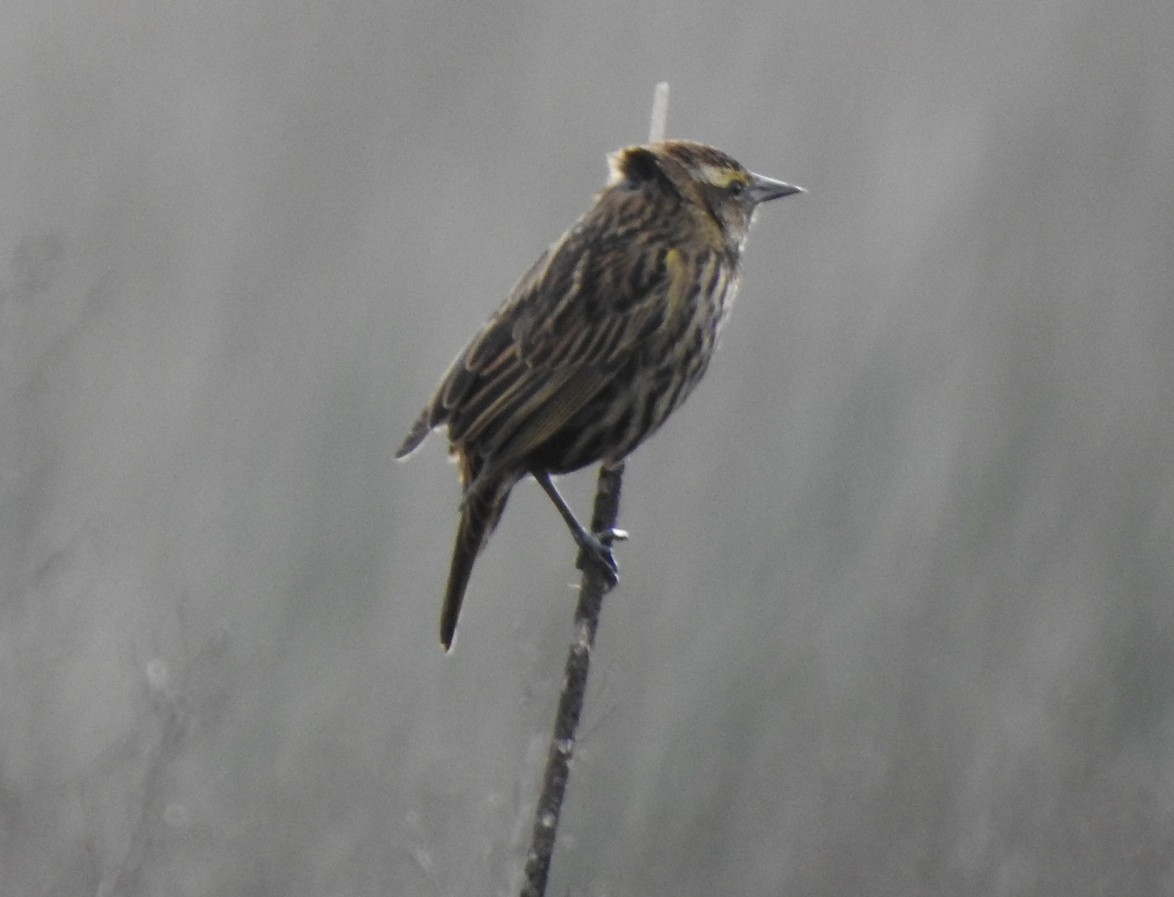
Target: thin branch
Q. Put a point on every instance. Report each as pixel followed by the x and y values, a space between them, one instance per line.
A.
pixel 660 112
pixel 591 592
pixel 570 705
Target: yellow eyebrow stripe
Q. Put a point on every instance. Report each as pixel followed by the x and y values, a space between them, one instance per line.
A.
pixel 720 177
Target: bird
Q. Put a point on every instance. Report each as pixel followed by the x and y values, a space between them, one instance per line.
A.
pixel 603 337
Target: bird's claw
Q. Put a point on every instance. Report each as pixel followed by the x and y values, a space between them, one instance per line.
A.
pixel 598 553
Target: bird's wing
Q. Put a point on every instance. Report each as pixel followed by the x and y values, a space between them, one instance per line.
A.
pixel 585 305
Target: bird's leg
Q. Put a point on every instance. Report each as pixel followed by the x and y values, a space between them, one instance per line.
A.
pixel 596 548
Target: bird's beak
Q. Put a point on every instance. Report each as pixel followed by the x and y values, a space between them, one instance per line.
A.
pixel 764 188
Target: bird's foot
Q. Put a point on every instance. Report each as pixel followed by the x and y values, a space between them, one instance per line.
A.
pixel 596 550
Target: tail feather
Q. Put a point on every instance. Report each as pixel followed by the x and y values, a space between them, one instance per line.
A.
pixel 479 515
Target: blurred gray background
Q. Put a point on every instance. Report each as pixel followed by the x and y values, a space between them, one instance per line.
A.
pixel 897 614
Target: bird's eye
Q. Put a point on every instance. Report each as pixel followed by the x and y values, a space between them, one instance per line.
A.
pixel 736 188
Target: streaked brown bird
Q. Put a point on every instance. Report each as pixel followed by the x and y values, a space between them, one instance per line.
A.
pixel 603 337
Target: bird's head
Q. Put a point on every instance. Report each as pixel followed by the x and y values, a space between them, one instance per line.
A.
pixel 707 180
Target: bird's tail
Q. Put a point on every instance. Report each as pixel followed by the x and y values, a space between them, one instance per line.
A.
pixel 480 511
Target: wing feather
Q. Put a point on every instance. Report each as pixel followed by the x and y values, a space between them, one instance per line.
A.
pixel 582 308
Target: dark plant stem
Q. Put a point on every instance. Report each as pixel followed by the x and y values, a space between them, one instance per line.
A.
pixel 570 705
